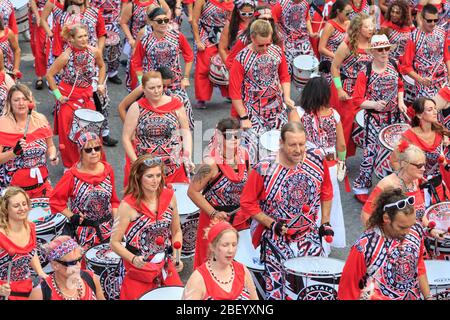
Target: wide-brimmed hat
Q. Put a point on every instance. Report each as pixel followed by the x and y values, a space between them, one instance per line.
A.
pixel 380 41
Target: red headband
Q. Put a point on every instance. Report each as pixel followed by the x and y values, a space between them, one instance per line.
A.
pixel 218 228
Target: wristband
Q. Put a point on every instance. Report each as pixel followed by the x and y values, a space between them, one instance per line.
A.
pixel 244 117
pixel 342 155
pixel 132 260
pixel 213 214
pixel 57 94
pixel 337 82
pixel 139 79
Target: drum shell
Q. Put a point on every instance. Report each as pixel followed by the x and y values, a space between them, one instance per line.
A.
pixel 269 143
pixel 438 274
pixel 359 130
pixel 301 73
pixel 410 89
pixel 82 122
pixel 218 72
pixel 164 293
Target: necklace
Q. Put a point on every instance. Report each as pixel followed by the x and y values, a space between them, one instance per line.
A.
pixel 404 186
pixel 217 279
pixel 76 296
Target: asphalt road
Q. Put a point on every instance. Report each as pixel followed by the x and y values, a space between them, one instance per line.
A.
pixel 206 120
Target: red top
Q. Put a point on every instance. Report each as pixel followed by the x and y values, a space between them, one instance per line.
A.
pixel 88 293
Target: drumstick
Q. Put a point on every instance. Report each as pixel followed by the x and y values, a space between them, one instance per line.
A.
pixel 177 247
pixel 30 109
pixel 8 277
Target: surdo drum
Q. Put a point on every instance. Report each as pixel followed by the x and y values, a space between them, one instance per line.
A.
pixel 107 265
pixel 410 89
pixel 164 293
pixel 312 278
pixel 303 68
pixel 438 274
pixel 359 129
pixel 189 214
pixel 439 213
pixel 85 120
pixel 48 227
pixel 218 72
pixel 269 143
pixel 112 48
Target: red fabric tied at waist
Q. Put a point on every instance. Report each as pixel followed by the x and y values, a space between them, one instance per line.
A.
pixel 85 94
pixel 146 274
pixel 22 177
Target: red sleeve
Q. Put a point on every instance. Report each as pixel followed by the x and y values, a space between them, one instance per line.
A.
pixel 354 270
pixel 326 193
pixel 186 50
pixel 406 61
pixel 236 79
pixel 369 205
pixel 238 46
pixel 359 93
pixel 447 47
pixel 283 72
pixel 61 193
pixel 13 23
pixel 138 56
pixel 101 31
pixel 114 199
pixel 276 12
pixel 421 270
pixel 252 193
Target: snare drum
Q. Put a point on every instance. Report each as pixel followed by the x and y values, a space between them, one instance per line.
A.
pixel 249 256
pixel 269 143
pixel 440 214
pixel 189 214
pixel 107 265
pixel 218 72
pixel 312 278
pixel 438 274
pixel 388 137
pixel 112 48
pixel 48 227
pixel 410 89
pixel 85 120
pixel 164 293
pixel 303 68
pixel 359 129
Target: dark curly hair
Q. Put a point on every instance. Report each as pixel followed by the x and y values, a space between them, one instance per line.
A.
pixel 419 108
pixel 315 94
pixel 388 196
pixel 405 15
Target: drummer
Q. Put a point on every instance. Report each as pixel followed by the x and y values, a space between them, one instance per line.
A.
pixel 221 277
pixel 217 186
pixel 11 51
pixel 75 90
pixel 283 195
pixel 392 230
pixel 378 90
pixel 6 82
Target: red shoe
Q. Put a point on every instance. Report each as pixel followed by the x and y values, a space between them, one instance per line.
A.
pixel 362 197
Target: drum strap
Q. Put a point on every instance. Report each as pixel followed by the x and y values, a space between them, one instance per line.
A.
pixel 47 292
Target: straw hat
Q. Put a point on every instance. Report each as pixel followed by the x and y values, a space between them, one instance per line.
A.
pixel 380 41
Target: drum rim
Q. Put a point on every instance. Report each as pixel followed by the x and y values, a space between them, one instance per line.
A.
pixel 314 59
pixel 160 289
pixel 312 275
pixel 179 212
pixel 363 112
pixel 89 111
pixel 385 128
pixel 98 263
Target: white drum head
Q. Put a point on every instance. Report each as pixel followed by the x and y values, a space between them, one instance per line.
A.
pixel 438 272
pixel 184 203
pixel 360 118
pixel 270 140
pixel 41 215
pixel 306 62
pixel 164 293
pixel 246 253
pixel 18 4
pixel 102 255
pixel 408 79
pixel 314 266
pixel 89 115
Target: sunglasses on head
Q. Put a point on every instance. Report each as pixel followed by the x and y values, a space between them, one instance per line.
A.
pixel 70 263
pixel 263 45
pixel 383 49
pixel 89 150
pixel 401 204
pixel 153 161
pixel 247 14
pixel 232 135
pixel 431 20
pixel 161 21
pixel 417 165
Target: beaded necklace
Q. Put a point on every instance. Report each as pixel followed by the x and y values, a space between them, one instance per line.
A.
pixel 208 263
pixel 77 296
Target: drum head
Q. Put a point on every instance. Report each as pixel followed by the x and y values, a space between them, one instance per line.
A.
pixel 246 253
pixel 360 118
pixel 102 255
pixel 439 213
pixel 184 203
pixel 40 212
pixel 389 136
pixel 314 266
pixel 409 80
pixel 438 272
pixel 270 140
pixel 164 293
pixel 306 62
pixel 89 115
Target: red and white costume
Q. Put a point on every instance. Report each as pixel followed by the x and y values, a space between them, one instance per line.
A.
pixel 444 13
pixel 8 16
pixel 335 39
pixel 399 36
pixel 363 8
pixel 8 54
pixel 38 41
pixel 94 197
pixel 390 265
pixel 281 193
pixel 21 284
pixel 141 237
pixel 3 91
pixel 89 294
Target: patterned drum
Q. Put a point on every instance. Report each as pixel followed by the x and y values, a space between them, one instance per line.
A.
pixel 249 257
pixel 112 48
pixel 409 85
pixel 189 214
pixel 359 131
pixel 389 137
pixel 313 278
pixel 85 120
pixel 48 227
pixel 164 293
pixel 438 274
pixel 440 214
pixel 108 267
pixel 303 68
pixel 269 143
pixel 218 73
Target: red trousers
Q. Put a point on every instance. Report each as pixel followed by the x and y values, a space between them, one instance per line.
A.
pixel 203 86
pixel 39 47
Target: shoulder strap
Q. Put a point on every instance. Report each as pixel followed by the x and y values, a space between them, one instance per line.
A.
pixel 46 291
pixel 88 279
pixel 368 72
pixel 316 8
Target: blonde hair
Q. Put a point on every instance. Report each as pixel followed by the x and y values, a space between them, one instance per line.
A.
pixel 213 244
pixel 36 118
pixel 70 30
pixel 4 205
pixel 354 30
pixel 261 28
pixel 411 152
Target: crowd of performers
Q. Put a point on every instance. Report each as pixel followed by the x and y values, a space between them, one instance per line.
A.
pixel 390 64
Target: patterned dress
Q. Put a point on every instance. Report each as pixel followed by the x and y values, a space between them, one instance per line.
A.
pixel 211 23
pixel 335 39
pixel 399 36
pixel 94 197
pixel 364 8
pixel 392 266
pixel 8 16
pixel 3 92
pixel 282 194
pixel 8 54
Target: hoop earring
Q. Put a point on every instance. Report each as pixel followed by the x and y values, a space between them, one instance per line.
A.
pixel 214 257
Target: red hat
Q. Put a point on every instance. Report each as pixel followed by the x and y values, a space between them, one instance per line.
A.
pixel 216 229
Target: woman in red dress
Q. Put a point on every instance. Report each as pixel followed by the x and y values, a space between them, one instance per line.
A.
pixel 17 246
pixel 220 277
pixel 11 51
pixel 148 218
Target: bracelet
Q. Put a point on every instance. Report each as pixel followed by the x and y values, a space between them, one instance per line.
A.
pixel 140 79
pixel 57 94
pixel 244 117
pixel 342 155
pixel 337 82
pixel 132 260
pixel 213 214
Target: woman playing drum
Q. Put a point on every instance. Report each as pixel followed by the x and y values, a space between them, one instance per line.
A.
pixel 157 124
pixel 17 246
pixel 220 277
pixel 11 51
pixel 86 195
pixel 24 148
pixel 148 218
pixel 218 184
pixel 78 64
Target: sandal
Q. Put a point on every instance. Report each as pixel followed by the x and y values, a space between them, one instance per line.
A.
pixel 39 84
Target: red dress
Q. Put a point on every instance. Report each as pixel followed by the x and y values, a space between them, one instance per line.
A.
pixel 3 91
pixel 215 292
pixel 8 54
pixel 38 41
pixel 21 284
pixel 141 237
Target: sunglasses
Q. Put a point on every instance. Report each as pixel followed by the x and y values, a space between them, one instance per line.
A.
pixel 263 45
pixel 431 20
pixel 161 21
pixel 347 13
pixel 70 263
pixel 267 19
pixel 418 165
pixel 401 204
pixel 89 150
pixel 384 49
pixel 247 14
pixel 232 135
pixel 152 162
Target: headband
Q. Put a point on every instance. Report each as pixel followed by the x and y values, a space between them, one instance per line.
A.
pixel 85 137
pixel 218 228
pixel 63 249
